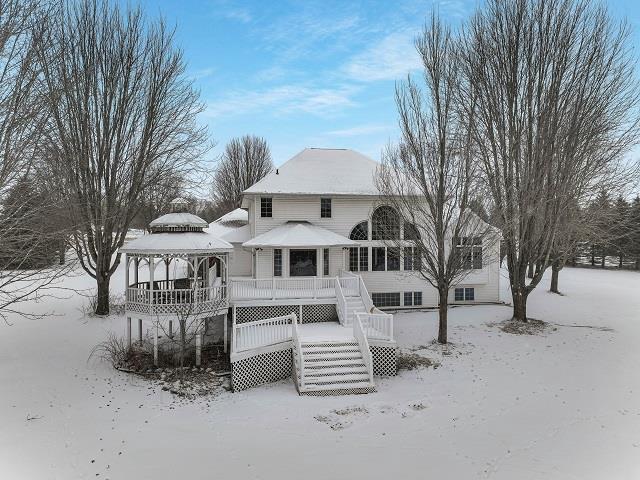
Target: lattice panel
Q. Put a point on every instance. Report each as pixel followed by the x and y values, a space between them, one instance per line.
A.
pixel 347 391
pixel 261 369
pixel 250 314
pixel 319 313
pixel 385 362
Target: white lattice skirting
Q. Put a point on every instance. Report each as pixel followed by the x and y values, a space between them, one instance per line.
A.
pixel 260 369
pixel 385 360
pixel 310 313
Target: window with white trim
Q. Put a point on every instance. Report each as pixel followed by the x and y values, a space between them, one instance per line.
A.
pixel 358 259
pixel 469 252
pixel 386 299
pixel 325 208
pixel 411 258
pixel 466 294
pixel 277 262
pixel 325 262
pixel 266 207
pixel 412 299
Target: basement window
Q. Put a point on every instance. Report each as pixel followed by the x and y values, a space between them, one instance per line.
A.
pixel 386 299
pixel 465 294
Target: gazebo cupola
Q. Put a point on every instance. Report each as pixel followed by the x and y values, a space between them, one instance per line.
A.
pixel 176 270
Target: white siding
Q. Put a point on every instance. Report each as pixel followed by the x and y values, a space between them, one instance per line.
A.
pixel 240 260
pixel 346 212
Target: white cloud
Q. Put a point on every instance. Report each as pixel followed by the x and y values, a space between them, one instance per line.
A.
pixel 200 74
pixel 361 130
pixel 390 58
pixel 284 99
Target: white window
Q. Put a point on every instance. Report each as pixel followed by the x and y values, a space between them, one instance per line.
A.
pixel 466 294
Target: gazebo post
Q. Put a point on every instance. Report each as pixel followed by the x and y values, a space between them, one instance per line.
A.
pixel 136 262
pixel 126 273
pixel 166 272
pixel 140 330
pixel 225 334
pixel 198 347
pixel 129 332
pixel 155 345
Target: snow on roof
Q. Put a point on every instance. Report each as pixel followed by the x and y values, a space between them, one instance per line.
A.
pixel 237 215
pixel 179 219
pixel 299 234
pixel 238 235
pixel 323 171
pixel 183 242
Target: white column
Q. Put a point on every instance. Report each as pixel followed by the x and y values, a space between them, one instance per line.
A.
pixel 126 273
pixel 226 327
pixel 155 345
pixel 136 263
pixel 129 332
pixel 152 267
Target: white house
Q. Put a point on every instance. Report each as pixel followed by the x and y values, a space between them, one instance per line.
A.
pixel 306 276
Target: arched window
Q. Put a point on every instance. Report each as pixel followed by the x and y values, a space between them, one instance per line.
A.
pixel 385 224
pixel 360 231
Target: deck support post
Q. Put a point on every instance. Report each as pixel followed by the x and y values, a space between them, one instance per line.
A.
pixel 198 349
pixel 171 329
pixel 300 314
pixel 155 345
pixel 129 332
pixel 140 330
pixel 225 339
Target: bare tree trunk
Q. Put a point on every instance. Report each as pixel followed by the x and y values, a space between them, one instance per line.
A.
pixel 520 305
pixel 593 255
pixel 602 259
pixel 102 303
pixel 442 315
pixel 555 273
pixel 530 270
pixel 620 261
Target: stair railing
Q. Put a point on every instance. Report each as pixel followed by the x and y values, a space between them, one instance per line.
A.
pixel 363 343
pixel 377 323
pixel 341 304
pixel 297 345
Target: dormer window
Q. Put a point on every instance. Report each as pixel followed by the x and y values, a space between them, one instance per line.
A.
pixel 325 208
pixel 266 207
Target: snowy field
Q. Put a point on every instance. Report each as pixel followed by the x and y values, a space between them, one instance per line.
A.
pixel 562 405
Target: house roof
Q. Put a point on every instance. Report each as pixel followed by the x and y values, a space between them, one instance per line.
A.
pixel 179 220
pixel 299 234
pixel 180 242
pixel 238 215
pixel 321 171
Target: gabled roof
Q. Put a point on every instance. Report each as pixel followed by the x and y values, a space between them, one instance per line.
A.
pixel 299 234
pixel 238 215
pixel 321 171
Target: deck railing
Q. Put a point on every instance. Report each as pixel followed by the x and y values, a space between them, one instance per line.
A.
pixel 262 333
pixel 277 288
pixel 341 304
pixel 175 300
pixel 363 343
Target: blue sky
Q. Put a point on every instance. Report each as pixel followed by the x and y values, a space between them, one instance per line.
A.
pixel 308 73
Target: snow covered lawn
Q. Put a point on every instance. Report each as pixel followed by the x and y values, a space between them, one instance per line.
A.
pixel 562 405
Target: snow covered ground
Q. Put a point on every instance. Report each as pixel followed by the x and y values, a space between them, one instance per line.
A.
pixel 563 405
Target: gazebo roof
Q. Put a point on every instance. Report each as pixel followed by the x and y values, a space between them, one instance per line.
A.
pixel 183 242
pixel 179 220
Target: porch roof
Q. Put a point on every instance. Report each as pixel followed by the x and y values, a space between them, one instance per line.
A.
pixel 180 242
pixel 299 234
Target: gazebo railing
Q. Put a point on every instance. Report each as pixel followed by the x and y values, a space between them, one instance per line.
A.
pixel 140 298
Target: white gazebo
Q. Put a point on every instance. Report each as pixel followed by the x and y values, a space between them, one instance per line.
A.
pixel 177 271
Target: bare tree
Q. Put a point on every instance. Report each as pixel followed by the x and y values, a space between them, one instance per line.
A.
pixel 556 107
pixel 122 119
pixel 428 178
pixel 245 161
pixel 27 256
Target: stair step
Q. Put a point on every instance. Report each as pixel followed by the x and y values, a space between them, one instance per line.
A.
pixel 333 362
pixel 315 357
pixel 337 379
pixel 332 371
pixel 331 343
pixel 330 349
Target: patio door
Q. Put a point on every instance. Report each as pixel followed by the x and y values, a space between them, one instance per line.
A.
pixel 303 263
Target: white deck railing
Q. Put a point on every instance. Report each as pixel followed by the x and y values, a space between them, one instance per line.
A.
pixel 262 333
pixel 363 343
pixel 171 300
pixel 277 288
pixel 341 304
pixel 297 346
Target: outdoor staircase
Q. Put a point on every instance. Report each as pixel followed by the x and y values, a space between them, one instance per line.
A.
pixel 354 304
pixel 332 368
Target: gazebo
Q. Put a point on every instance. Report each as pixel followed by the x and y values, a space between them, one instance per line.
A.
pixel 176 273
